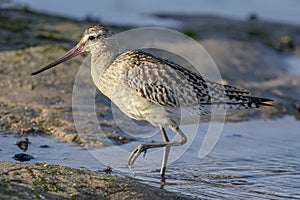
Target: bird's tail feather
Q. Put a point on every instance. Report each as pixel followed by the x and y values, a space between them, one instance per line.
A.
pixel 243 101
pixel 260 101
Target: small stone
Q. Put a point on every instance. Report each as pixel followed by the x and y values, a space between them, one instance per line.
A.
pixel 44 146
pixel 23 157
pixel 23 144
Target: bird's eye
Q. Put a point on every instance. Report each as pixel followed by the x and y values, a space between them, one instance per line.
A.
pixel 91 37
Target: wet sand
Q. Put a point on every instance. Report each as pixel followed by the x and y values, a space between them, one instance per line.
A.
pixel 43 181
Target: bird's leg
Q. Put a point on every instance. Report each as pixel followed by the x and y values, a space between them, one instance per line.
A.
pixel 144 147
pixel 165 157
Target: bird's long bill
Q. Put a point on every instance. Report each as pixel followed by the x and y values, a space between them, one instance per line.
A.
pixel 69 55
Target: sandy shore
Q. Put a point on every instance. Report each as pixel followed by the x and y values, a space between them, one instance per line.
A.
pixel 43 181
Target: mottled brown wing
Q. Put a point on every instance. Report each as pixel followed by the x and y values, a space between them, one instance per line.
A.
pixel 167 83
pixel 164 82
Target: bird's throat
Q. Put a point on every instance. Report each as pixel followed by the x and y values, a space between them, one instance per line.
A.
pixel 101 59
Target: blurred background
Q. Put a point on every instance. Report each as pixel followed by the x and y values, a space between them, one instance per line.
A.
pixel 142 13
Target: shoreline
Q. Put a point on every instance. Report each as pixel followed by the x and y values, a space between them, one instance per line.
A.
pixel 41 180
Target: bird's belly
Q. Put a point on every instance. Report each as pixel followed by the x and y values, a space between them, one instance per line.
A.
pixel 135 108
pixel 139 108
pixel 128 101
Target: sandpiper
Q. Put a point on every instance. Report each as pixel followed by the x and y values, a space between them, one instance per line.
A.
pixel 149 88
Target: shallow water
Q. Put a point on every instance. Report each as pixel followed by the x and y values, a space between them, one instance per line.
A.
pixel 56 153
pixel 294 65
pixel 251 159
pixel 257 159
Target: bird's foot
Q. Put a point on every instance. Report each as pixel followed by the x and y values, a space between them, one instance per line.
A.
pixel 136 153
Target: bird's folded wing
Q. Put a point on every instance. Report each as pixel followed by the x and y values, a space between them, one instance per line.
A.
pixel 166 83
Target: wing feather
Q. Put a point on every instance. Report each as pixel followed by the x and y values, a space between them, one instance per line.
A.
pixel 166 83
pixel 163 82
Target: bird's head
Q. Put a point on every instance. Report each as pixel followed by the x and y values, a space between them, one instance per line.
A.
pixel 95 37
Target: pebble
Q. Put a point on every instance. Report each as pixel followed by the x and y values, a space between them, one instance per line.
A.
pixel 23 157
pixel 23 144
pixel 44 146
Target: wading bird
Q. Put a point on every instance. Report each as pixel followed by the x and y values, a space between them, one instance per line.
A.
pixel 149 88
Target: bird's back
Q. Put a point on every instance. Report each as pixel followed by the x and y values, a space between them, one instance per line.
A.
pixel 143 79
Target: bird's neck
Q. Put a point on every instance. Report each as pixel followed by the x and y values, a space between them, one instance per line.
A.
pixel 101 60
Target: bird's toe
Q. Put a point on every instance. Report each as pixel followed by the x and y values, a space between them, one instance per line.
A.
pixel 136 153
